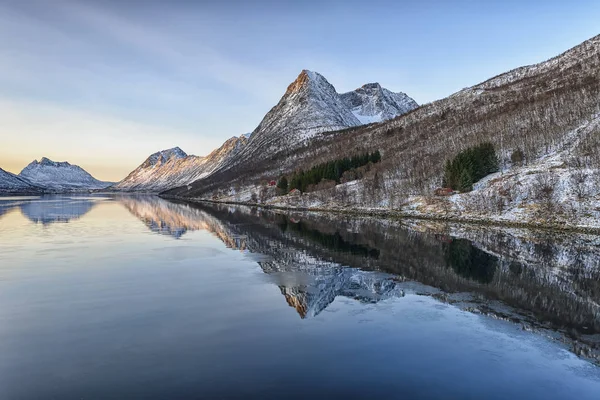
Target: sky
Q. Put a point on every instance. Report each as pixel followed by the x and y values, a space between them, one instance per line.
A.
pixel 105 83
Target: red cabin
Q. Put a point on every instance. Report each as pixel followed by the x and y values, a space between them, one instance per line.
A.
pixel 443 192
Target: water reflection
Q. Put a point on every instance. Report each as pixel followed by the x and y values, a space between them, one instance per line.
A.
pixel 164 217
pixel 334 241
pixel 48 210
pixel 545 282
pixel 308 283
pixel 470 262
pixel 536 279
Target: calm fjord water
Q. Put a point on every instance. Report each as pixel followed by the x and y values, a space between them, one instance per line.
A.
pixel 137 297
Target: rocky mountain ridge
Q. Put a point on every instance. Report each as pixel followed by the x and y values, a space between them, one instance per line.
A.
pixel 173 167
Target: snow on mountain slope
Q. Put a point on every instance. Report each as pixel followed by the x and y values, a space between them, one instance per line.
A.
pixel 60 176
pixel 309 106
pixel 372 103
pixel 173 167
pixel 557 65
pixel 11 183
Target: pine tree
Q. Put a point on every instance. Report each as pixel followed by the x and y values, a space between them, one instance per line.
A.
pixel 466 181
pixel 375 157
pixel 283 184
pixel 469 166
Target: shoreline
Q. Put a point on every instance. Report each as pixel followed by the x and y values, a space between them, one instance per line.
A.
pixel 403 215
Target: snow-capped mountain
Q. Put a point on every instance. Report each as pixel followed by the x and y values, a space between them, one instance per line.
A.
pixel 171 168
pixel 11 183
pixel 372 103
pixel 59 176
pixel 311 106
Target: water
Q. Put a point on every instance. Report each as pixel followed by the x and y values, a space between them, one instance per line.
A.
pixel 136 297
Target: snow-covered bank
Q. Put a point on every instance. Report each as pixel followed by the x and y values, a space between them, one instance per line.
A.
pixel 395 214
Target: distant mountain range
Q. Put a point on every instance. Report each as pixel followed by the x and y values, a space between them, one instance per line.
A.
pixel 47 176
pixel 310 106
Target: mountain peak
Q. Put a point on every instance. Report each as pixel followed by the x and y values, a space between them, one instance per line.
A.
pixel 44 161
pixel 311 105
pixel 305 79
pixel 172 168
pixel 163 156
pixel 373 103
pixel 175 151
pixel 374 85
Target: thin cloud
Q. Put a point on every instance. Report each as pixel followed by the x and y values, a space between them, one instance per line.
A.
pixel 190 60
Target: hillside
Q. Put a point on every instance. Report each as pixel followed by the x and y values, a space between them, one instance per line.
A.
pixel 547 110
pixel 13 184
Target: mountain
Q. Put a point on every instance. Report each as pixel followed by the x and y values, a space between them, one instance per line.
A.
pixel 60 176
pixel 372 103
pixel 171 168
pixel 543 121
pixel 309 109
pixel 13 184
pixel 311 106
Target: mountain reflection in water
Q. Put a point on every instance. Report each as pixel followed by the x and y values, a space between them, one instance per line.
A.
pixel 49 209
pixel 308 283
pixel 544 281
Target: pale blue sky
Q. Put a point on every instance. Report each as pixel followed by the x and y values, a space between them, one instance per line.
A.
pixel 104 83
